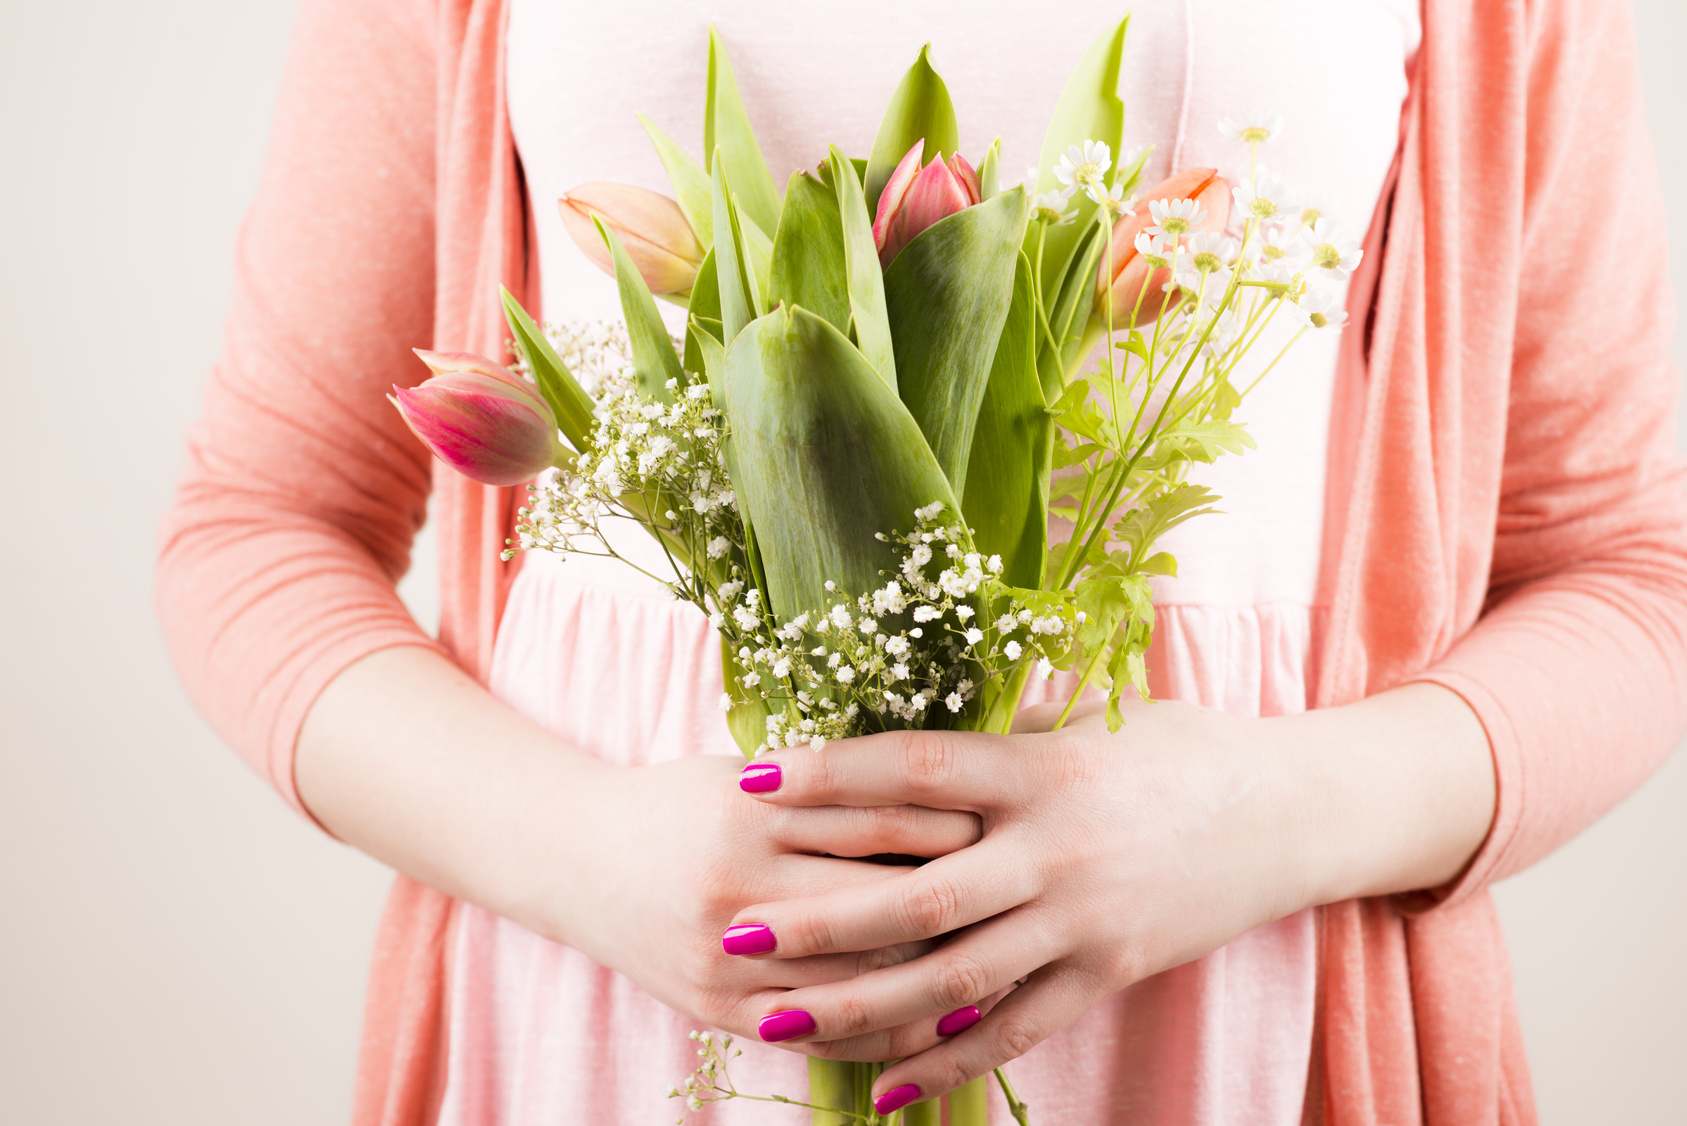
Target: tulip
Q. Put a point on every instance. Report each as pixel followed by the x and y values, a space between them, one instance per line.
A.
pixel 1122 279
pixel 650 225
pixel 914 198
pixel 481 419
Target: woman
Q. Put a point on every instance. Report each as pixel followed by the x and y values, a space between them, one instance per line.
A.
pixel 1494 620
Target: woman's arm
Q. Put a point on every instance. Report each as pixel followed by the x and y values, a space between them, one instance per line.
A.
pixel 1109 858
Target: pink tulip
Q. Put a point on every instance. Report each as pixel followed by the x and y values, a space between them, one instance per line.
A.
pixel 1124 277
pixel 650 225
pixel 481 419
pixel 914 198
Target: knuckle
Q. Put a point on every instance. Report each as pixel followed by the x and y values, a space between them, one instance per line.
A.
pixel 930 907
pixel 929 760
pixel 960 980
pixel 1015 1035
pixel 852 1018
pixel 953 1073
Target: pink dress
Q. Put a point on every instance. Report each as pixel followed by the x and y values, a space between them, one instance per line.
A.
pixel 538 1032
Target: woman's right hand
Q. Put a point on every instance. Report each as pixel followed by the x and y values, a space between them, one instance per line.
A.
pixel 641 869
pixel 675 851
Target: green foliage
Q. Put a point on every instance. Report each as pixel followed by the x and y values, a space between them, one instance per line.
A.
pixel 728 139
pixel 948 294
pixel 569 401
pixel 1143 525
pixel 690 183
pixel 808 266
pixel 1005 500
pixel 654 360
pixel 824 458
pixel 705 312
pixel 920 109
pixel 740 292
pixel 869 322
pixel 990 170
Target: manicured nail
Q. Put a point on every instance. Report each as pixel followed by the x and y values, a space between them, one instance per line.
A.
pixel 789 1025
pixel 749 938
pixel 959 1021
pixel 760 778
pixel 896 1098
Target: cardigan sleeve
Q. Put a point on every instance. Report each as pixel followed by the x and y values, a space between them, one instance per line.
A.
pixel 1578 666
pixel 302 491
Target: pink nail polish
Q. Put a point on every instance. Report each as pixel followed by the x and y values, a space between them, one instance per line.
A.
pixel 896 1098
pixel 749 938
pixel 787 1025
pixel 959 1021
pixel 760 778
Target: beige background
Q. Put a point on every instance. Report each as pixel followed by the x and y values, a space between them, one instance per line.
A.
pixel 176 947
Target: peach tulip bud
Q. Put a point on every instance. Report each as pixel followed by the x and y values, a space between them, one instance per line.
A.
pixel 914 198
pixel 481 419
pixel 1122 279
pixel 650 225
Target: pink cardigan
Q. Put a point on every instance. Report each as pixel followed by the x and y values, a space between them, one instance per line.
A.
pixel 1510 522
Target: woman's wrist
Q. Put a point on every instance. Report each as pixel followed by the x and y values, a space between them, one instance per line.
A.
pixel 410 760
pixel 1391 794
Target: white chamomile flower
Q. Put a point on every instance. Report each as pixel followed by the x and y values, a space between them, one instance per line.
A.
pixel 1332 249
pixel 1281 244
pixel 1264 196
pixel 1083 166
pixel 1175 218
pixel 1321 309
pixel 1112 200
pixel 1254 128
pixel 1050 207
pixel 1156 250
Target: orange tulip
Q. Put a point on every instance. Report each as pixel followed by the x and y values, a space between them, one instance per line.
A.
pixel 650 225
pixel 1122 279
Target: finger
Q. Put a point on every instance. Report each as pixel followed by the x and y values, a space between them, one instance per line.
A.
pixel 930 991
pixel 1025 1018
pixel 951 892
pixel 824 969
pixel 904 1040
pixel 938 769
pixel 908 830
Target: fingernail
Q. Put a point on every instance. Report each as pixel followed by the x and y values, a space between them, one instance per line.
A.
pixel 896 1098
pixel 788 1025
pixel 760 778
pixel 749 938
pixel 959 1021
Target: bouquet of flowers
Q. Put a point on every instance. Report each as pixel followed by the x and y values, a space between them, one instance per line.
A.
pixel 896 377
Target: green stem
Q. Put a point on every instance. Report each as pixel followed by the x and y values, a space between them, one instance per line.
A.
pixel 832 1083
pixel 1020 1112
pixel 1089 671
pixel 969 1105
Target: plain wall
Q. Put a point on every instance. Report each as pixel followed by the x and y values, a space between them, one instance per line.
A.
pixel 175 946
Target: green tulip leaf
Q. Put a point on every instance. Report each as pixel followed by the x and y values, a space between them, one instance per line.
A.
pixel 824 458
pixel 869 320
pixel 654 359
pixel 1089 109
pixel 990 171
pixel 948 294
pixel 690 183
pixel 740 293
pixel 1070 312
pixel 1006 502
pixel 569 401
pixel 920 109
pixel 728 138
pixel 704 309
pixel 808 252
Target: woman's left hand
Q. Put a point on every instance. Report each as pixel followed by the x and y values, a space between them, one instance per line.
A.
pixel 1105 859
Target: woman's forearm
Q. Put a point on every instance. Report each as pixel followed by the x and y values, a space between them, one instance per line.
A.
pixel 1394 793
pixel 409 759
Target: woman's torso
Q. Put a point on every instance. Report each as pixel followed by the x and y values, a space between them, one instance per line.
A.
pixel 537 1032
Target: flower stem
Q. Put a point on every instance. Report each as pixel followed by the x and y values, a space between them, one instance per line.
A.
pixel 1020 1112
pixel 968 1105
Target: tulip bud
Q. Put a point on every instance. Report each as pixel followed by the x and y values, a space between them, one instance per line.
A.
pixel 650 225
pixel 1122 279
pixel 914 198
pixel 481 419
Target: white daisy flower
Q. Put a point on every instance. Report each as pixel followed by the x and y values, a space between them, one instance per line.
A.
pixel 1156 250
pixel 1332 249
pixel 1082 166
pixel 1281 244
pixel 1264 196
pixel 1320 309
pixel 1253 128
pixel 1175 218
pixel 1050 207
